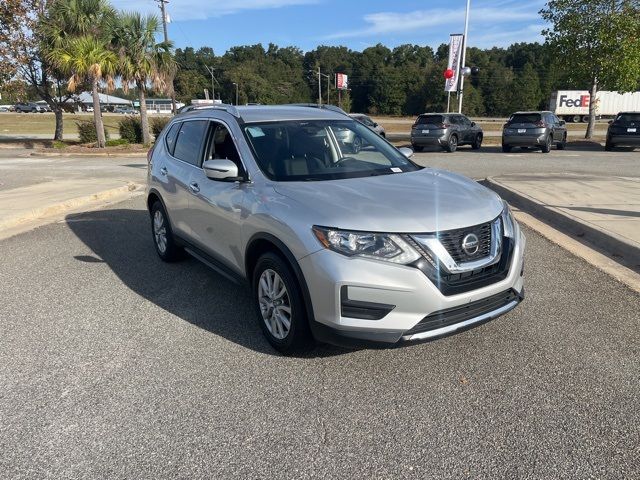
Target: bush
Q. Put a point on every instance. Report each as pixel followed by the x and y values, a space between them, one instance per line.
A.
pixel 117 141
pixel 130 129
pixel 157 124
pixel 87 131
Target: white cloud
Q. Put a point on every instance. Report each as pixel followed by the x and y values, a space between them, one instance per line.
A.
pixel 500 37
pixel 397 23
pixel 203 9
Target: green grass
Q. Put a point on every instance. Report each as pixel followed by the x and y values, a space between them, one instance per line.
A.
pixel 117 142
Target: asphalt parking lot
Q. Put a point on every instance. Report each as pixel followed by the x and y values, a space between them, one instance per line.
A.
pixel 115 365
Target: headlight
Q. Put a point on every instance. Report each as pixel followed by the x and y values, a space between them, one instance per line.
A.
pixel 380 246
pixel 508 222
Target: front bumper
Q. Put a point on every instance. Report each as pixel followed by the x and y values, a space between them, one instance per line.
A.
pixel 406 292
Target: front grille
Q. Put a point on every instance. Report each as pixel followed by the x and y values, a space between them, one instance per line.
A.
pixel 452 241
pixel 451 316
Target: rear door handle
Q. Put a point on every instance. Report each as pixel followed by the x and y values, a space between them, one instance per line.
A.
pixel 195 188
pixel 164 171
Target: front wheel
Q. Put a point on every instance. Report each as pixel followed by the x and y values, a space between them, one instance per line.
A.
pixel 608 146
pixel 452 145
pixel 477 142
pixel 279 306
pixel 417 148
pixel 546 148
pixel 563 144
pixel 506 148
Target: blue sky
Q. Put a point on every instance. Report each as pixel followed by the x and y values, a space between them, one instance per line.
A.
pixel 357 24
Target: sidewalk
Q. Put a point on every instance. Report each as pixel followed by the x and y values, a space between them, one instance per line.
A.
pixel 36 191
pixel 602 211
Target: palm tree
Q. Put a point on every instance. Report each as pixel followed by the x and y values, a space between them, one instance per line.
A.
pixel 87 59
pixel 64 20
pixel 143 61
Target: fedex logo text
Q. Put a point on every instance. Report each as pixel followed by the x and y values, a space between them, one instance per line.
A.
pixel 582 101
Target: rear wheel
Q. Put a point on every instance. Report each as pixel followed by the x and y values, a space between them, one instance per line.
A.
pixel 452 145
pixel 163 234
pixel 563 144
pixel 477 142
pixel 546 148
pixel 506 148
pixel 279 306
pixel 608 146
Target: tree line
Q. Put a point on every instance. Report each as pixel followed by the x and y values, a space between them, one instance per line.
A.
pixel 50 48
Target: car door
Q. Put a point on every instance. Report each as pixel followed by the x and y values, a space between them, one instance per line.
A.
pixel 216 207
pixel 468 131
pixel 175 174
pixel 559 128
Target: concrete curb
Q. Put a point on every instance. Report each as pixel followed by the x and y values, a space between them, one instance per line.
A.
pixel 48 211
pixel 610 246
pixel 86 154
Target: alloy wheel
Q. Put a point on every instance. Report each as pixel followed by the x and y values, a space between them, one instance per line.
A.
pixel 160 231
pixel 275 304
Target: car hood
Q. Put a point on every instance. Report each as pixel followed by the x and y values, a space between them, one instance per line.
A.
pixel 428 200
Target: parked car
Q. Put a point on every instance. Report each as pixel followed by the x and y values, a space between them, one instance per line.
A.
pixel 4 108
pixel 27 107
pixel 125 110
pixel 368 122
pixel 88 109
pixel 44 108
pixel 534 129
pixel 336 246
pixel 624 131
pixel 446 130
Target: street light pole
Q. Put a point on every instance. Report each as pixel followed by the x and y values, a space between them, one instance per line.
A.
pixel 464 55
pixel 319 87
pixel 166 40
pixel 236 93
pixel 213 79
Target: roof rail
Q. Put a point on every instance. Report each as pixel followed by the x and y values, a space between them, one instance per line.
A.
pixel 231 109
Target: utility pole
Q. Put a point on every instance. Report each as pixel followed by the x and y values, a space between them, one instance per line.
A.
pixel 464 55
pixel 236 93
pixel 161 4
pixel 213 79
pixel 319 87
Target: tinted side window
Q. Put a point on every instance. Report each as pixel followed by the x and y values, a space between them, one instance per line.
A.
pixel 189 141
pixel 170 137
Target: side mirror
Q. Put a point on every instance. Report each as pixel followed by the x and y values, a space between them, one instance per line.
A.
pixel 375 124
pixel 610 122
pixel 473 124
pixel 562 123
pixel 224 170
pixel 406 151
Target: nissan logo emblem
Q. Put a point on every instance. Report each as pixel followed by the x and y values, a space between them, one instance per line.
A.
pixel 470 244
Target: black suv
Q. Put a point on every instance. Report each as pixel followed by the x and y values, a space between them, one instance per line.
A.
pixel 624 131
pixel 447 130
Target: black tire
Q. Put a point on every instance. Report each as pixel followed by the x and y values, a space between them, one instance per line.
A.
pixel 298 339
pixel 563 144
pixel 546 148
pixel 506 148
pixel 452 144
pixel 417 148
pixel 608 146
pixel 171 251
pixel 477 142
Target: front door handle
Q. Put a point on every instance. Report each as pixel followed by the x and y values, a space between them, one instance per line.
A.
pixel 195 188
pixel 164 171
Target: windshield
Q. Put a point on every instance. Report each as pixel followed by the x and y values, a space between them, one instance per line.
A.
pixel 525 118
pixel 322 150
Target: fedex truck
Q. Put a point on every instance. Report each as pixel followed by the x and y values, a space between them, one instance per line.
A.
pixel 573 105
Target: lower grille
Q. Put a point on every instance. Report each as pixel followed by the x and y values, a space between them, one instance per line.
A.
pixel 451 316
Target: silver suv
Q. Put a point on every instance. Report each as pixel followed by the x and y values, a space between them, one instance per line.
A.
pixel 338 244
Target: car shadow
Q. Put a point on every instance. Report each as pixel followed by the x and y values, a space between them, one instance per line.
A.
pixel 187 289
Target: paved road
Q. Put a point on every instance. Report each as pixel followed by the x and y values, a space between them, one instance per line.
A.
pixel 115 365
pixel 490 161
pixel 18 168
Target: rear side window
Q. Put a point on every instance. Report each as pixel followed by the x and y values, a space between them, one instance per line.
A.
pixel 525 118
pixel 170 137
pixel 189 141
pixel 430 120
